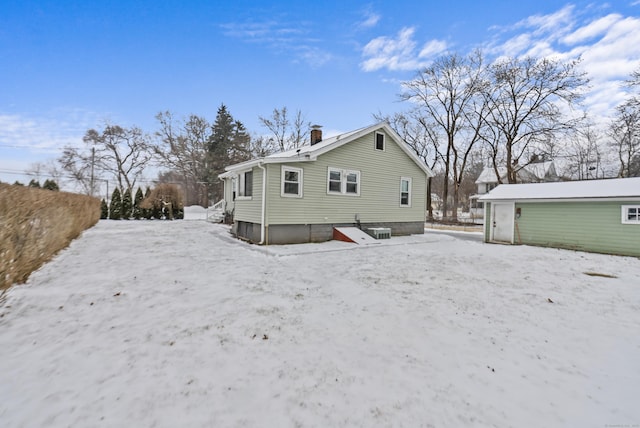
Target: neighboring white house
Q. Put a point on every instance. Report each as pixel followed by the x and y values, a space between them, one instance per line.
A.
pixel 535 172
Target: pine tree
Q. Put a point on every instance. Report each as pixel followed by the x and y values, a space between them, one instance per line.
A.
pixel 228 144
pixel 34 183
pixel 115 209
pixel 50 185
pixel 137 211
pixel 104 210
pixel 127 205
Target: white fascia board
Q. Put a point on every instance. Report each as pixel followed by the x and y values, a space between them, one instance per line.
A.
pixel 532 200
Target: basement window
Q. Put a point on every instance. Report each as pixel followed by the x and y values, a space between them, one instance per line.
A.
pixel 631 214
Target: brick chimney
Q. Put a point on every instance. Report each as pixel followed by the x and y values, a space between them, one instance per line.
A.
pixel 316 134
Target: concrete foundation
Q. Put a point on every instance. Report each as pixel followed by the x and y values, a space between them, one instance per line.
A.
pixel 303 233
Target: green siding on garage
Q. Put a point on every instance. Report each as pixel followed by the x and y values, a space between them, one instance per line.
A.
pixel 379 199
pixel 589 226
pixel 487 221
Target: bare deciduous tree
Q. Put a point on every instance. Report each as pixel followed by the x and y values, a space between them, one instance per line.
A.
pixel 120 152
pixel 80 167
pixel 524 99
pixel 625 136
pixel 288 133
pixel 584 155
pixel 447 97
pixel 182 148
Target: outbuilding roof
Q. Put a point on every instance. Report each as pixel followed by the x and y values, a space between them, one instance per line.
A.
pixel 310 153
pixel 536 171
pixel 587 189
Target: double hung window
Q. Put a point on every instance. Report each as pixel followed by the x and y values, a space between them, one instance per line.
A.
pixel 405 191
pixel 291 182
pixel 343 182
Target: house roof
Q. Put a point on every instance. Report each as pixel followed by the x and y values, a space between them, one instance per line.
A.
pixel 537 170
pixel 310 153
pixel 587 189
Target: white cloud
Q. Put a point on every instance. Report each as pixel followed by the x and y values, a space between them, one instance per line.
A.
pixel 282 37
pixel 314 57
pixel 370 20
pixel 607 43
pixel 609 46
pixel 399 53
pixel 432 48
pixel 560 21
pixel 29 139
pixel 591 30
pixel 49 133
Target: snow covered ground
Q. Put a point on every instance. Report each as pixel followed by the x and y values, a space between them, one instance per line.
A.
pixel 160 323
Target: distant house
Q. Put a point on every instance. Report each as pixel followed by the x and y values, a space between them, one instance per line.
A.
pixel 367 178
pixel 600 216
pixel 535 172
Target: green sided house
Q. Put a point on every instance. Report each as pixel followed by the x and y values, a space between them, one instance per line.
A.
pixel 601 216
pixel 367 178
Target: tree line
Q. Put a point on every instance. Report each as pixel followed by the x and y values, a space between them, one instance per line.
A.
pixel 466 114
pixel 163 202
pixel 462 113
pixel 190 152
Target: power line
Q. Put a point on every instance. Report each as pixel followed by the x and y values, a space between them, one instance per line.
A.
pixel 64 176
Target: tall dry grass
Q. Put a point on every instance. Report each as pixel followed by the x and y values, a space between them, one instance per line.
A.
pixel 35 224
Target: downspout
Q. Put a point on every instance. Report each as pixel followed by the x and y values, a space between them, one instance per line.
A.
pixel 264 203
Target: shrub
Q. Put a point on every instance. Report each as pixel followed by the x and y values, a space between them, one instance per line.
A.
pixel 127 205
pixel 137 211
pixel 35 224
pixel 104 210
pixel 50 185
pixel 165 201
pixel 115 208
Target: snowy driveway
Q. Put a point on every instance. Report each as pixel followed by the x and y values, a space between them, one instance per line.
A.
pixel 176 324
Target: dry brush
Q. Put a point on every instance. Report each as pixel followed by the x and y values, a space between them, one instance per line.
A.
pixel 35 224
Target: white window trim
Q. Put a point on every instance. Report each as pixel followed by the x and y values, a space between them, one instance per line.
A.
pixel 343 181
pixel 282 182
pixel 375 142
pixel 624 214
pixel 241 185
pixel 408 179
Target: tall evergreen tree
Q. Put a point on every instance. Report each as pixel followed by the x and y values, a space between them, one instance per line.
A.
pixel 104 210
pixel 137 210
pixel 34 183
pixel 229 143
pixel 115 208
pixel 127 205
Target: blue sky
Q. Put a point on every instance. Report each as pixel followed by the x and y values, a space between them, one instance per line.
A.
pixel 68 66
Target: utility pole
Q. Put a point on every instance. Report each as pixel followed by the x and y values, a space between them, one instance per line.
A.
pixel 93 160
